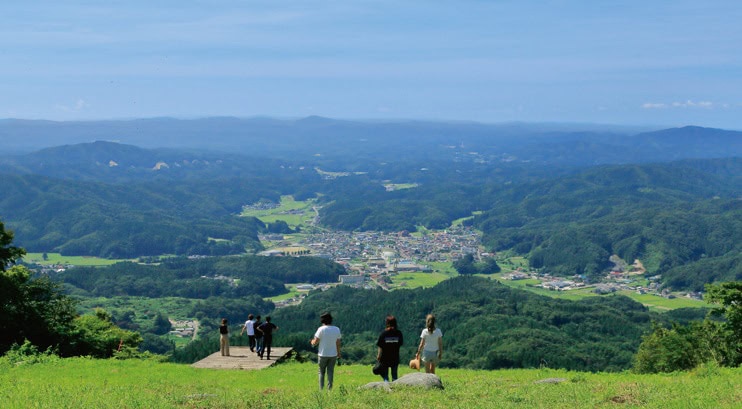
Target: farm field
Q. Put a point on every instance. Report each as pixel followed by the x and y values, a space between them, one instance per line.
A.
pixel 416 280
pixel 293 292
pixel 294 213
pixel 56 258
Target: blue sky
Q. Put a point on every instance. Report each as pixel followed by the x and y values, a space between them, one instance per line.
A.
pixel 647 62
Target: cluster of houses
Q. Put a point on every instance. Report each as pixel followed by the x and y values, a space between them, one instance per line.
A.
pixel 369 256
pixel 400 250
pixel 614 281
pixel 185 328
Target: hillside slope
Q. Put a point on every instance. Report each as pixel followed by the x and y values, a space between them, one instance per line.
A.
pixel 134 383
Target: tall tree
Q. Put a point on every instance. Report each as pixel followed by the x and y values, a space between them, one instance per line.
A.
pixel 8 254
pixel 728 297
pixel 33 309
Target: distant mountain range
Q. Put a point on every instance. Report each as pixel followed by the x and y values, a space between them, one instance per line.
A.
pixel 343 142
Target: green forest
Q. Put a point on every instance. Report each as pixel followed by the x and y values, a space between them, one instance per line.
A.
pixel 226 277
pixel 681 218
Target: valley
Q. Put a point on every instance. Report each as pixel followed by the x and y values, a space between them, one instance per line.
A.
pixel 401 260
pixel 570 255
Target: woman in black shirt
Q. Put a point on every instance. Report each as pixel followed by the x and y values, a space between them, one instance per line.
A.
pixel 390 340
pixel 224 337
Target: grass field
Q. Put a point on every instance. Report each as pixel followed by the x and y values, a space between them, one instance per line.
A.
pixel 399 186
pixel 89 383
pixel 293 292
pixel 416 280
pixel 511 263
pixel 461 220
pixel 56 258
pixel 443 268
pixel 664 304
pixel 301 213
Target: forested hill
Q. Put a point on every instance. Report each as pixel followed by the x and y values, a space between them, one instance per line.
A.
pixel 224 277
pixel 683 220
pixel 124 221
pixel 485 325
pixel 113 162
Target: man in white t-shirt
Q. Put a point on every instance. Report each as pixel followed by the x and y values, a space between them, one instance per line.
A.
pixel 249 327
pixel 327 340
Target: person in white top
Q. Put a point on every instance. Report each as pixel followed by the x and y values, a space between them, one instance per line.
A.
pixel 250 331
pixel 431 345
pixel 327 340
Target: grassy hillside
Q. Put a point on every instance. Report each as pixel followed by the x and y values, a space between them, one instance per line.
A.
pixel 88 383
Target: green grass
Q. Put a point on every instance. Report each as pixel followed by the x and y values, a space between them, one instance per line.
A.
pixel 511 263
pixel 88 383
pixel 56 258
pixel 527 283
pixel 416 280
pixel 662 303
pixel 287 203
pixel 399 186
pixel 461 220
pixel 443 267
pixel 293 292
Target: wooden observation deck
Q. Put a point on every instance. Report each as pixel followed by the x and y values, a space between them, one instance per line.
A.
pixel 241 358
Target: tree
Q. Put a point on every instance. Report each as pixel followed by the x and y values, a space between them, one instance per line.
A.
pixel 488 266
pixel 161 325
pixel 97 336
pixel 33 309
pixel 729 296
pixel 465 265
pixel 8 254
pixel 36 310
pixel 683 347
pixel 668 350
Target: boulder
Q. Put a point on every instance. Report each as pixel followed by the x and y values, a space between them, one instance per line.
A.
pixel 419 379
pixel 378 385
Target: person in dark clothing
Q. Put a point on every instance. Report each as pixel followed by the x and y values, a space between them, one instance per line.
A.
pixel 389 342
pixel 224 338
pixel 266 329
pixel 258 335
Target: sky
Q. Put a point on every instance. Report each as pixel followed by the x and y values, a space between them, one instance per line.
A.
pixel 647 62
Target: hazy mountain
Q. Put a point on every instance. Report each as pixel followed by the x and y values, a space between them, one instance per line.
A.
pixel 116 162
pixel 353 144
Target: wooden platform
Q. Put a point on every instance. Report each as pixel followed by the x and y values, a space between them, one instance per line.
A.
pixel 241 358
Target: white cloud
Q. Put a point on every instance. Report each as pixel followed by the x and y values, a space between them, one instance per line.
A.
pixel 691 104
pixel 653 105
pixel 78 106
pixel 685 104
